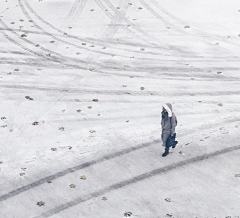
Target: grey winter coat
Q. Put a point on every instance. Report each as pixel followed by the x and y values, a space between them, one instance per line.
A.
pixel 169 123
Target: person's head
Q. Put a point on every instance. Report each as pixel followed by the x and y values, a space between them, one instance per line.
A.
pixel 167 108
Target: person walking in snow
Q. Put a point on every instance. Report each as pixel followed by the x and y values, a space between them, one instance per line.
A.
pixel 169 123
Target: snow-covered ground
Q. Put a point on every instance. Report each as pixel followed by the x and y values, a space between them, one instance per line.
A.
pixel 92 75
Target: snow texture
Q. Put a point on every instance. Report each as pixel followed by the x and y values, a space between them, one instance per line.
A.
pixel 82 84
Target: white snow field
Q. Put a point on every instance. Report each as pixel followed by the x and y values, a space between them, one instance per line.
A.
pixel 82 87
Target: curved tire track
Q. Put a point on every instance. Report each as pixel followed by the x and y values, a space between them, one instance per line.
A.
pixel 72 169
pixel 114 26
pixel 89 40
pixel 54 37
pixel 216 48
pixel 86 40
pixel 115 23
pixel 109 157
pixel 204 34
pixel 23 47
pixel 77 8
pixel 119 92
pixel 136 179
pixel 112 18
pixel 61 59
pixel 168 47
pixel 144 33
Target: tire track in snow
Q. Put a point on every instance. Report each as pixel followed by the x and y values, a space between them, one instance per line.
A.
pixel 41 19
pixel 13 52
pixel 204 34
pixel 136 179
pixel 112 156
pixel 33 52
pixel 159 17
pixel 154 13
pixel 104 9
pixel 61 59
pixel 24 47
pixel 54 37
pixel 120 92
pixel 89 40
pixel 144 33
pixel 73 169
pixel 227 120
pixel 34 63
pixel 79 9
pixel 174 48
pixel 114 26
pixel 117 20
pixel 153 130
pixel 72 11
pixel 76 9
pixel 103 43
pixel 216 123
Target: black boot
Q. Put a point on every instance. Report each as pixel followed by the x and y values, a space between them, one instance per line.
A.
pixel 175 143
pixel 166 152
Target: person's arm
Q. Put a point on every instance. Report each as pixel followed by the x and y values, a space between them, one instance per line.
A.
pixel 161 121
pixel 173 123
